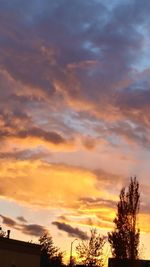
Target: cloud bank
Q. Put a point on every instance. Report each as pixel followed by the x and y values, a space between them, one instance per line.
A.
pixel 74 107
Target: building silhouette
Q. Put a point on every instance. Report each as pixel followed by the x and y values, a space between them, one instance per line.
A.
pixel 15 253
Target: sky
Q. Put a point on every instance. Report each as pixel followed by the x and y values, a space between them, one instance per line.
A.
pixel 74 115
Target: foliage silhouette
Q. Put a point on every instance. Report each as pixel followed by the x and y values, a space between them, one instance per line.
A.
pixel 2 232
pixel 124 239
pixel 50 254
pixel 90 252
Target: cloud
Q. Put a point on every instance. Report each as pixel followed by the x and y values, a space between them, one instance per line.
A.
pixel 71 231
pixel 111 183
pixel 36 132
pixel 97 202
pixel 74 105
pixel 26 154
pixel 92 67
pixel 21 219
pixel 91 211
pixel 8 221
pixel 14 128
pixel 27 229
pixel 38 182
pixel 33 230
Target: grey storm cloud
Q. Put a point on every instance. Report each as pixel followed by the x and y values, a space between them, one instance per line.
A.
pixel 89 37
pixel 71 231
pixel 93 54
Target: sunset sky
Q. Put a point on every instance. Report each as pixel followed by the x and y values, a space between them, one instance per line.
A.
pixel 74 115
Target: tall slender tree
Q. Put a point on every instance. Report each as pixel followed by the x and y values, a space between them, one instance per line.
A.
pixel 124 239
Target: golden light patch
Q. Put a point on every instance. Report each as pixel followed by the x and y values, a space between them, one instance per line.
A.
pixel 144 223
pixel 39 183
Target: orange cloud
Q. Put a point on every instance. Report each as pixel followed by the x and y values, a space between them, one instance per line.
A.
pixel 49 185
pixel 35 142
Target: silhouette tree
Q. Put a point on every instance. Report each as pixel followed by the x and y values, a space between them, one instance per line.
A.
pixel 124 239
pixel 57 260
pixel 50 254
pixel 2 233
pixel 90 252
